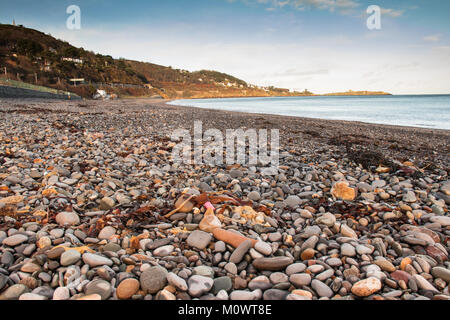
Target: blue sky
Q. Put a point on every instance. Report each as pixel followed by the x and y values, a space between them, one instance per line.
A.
pixel 321 45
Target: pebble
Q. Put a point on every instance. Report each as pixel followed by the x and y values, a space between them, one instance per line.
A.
pixel 106 233
pixel 263 247
pixel 67 219
pixel 177 281
pixel 366 287
pixel 95 260
pixel 15 240
pixel 240 251
pixel 273 264
pixel 127 288
pixel 321 289
pixel 70 257
pixel 199 239
pixel 100 287
pixel 199 285
pixel 153 279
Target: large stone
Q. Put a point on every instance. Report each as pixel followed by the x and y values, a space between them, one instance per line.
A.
pixel 70 257
pixel 440 272
pixel 199 239
pixel 321 289
pixel 366 287
pixel 95 260
pixel 100 287
pixel 199 285
pixel 127 288
pixel 14 292
pixel 15 240
pixel 239 253
pixel 423 283
pixel 67 219
pixel 272 264
pixel 153 279
pixel 106 233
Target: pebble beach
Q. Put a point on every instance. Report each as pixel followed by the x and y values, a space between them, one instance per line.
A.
pixel 92 207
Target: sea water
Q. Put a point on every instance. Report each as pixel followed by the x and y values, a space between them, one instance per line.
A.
pixel 425 111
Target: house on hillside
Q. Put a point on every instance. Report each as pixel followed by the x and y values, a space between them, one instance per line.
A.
pixel 74 60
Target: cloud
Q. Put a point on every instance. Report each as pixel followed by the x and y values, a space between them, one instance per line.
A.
pixel 432 38
pixel 392 12
pixel 342 6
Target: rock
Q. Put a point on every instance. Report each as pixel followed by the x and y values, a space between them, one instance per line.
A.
pixel 272 264
pixel 440 272
pixel 163 251
pixel 321 289
pixel 292 202
pixel 341 190
pixel 327 219
pixel 300 279
pixel 222 283
pixel 385 265
pixel 70 257
pixel 230 237
pixel 239 253
pixel 263 247
pixel 410 197
pixel 444 221
pixel 260 282
pixel 30 267
pixel 400 275
pixel 95 260
pixel 107 203
pixel 14 292
pixel 254 196
pixel 423 283
pixel 366 287
pixel 127 288
pixel 67 219
pixel 275 294
pixel 61 293
pixel 220 246
pixel 244 295
pixel 346 231
pixel 203 271
pixel 295 268
pixel 32 297
pixel 100 287
pixel 231 268
pixel 199 285
pixel 307 254
pixel 199 239
pixel 15 240
pixel 348 250
pixel 106 233
pixel 177 281
pixel 153 279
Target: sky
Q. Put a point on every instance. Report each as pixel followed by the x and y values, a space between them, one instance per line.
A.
pixel 320 45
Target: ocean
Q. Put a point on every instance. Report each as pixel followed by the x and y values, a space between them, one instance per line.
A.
pixel 425 111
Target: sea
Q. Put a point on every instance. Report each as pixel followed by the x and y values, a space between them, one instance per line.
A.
pixel 424 111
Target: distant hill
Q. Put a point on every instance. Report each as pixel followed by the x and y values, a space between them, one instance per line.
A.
pixel 35 57
pixel 358 93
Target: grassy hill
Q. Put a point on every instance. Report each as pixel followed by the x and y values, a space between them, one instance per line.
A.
pixel 35 57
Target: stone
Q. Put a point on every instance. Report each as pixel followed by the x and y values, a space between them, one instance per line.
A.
pixel 177 281
pixel 107 203
pixel 61 293
pixel 327 219
pixel 220 246
pixel 30 267
pixel 199 285
pixel 341 190
pixel 163 251
pixel 444 221
pixel 272 264
pixel 15 240
pixel 70 257
pixel 275 294
pixel 254 196
pixel 366 287
pixel 440 272
pixel 231 268
pixel 346 231
pixel 263 247
pixel 153 279
pixel 348 250
pixel 14 292
pixel 106 233
pixel 385 265
pixel 199 239
pixel 400 275
pixel 237 295
pixel 67 219
pixel 292 202
pixel 321 289
pixel 95 260
pixel 203 271
pixel 260 282
pixel 100 287
pixel 300 279
pixel 127 288
pixel 32 297
pixel 307 254
pixel 409 197
pixel 422 283
pixel 239 253
pixel 222 283
pixel 295 268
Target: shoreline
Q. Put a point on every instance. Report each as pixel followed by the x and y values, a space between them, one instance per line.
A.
pixel 93 207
